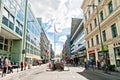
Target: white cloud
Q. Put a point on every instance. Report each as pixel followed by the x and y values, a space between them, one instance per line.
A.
pixel 57 13
pixel 62 38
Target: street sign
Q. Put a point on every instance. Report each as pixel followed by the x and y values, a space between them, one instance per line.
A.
pixel 105 47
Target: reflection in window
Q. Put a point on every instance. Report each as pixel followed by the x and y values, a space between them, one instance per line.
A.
pixel 11 18
pixel 19 28
pixel 4 20
pixel 6 2
pixel 11 25
pixel 20 13
pixel 5 13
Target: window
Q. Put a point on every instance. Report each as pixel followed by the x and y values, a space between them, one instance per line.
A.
pixel 89 13
pixel 92 42
pixel 101 16
pixel 104 35
pixel 11 18
pixel 99 1
pixel 114 30
pixel 19 28
pixel 110 7
pixel 88 44
pixel 87 30
pixel 5 13
pixel 97 39
pixel 90 27
pixel 95 22
pixel 86 18
pixel 4 20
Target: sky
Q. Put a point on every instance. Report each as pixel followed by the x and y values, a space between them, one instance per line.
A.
pixel 57 14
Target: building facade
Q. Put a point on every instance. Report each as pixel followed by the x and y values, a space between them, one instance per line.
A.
pixel 102 18
pixel 66 48
pixel 12 16
pixel 78 39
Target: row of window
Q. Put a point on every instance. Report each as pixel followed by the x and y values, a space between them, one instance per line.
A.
pixel 104 37
pixel 16 8
pixel 101 15
pixel 3 44
pixel 32 50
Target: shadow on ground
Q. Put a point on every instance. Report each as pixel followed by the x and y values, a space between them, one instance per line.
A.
pixel 93 75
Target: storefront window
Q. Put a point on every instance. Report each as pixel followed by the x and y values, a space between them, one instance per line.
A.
pixel 117 56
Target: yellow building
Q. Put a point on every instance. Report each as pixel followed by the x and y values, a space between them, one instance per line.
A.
pixel 106 15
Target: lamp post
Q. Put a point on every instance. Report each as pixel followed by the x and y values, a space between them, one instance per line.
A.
pixel 102 46
pixel 24 33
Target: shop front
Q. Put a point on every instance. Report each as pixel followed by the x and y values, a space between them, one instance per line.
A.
pixel 117 53
pixel 92 55
pixel 117 56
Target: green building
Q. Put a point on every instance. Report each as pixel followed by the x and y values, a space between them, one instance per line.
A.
pixel 19 33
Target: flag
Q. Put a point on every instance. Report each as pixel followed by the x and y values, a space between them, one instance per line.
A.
pixel 55 30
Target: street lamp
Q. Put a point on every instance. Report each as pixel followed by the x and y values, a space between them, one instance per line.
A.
pixel 24 33
pixel 102 46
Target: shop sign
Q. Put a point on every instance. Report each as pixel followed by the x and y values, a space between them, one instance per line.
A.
pixel 105 47
pixel 91 51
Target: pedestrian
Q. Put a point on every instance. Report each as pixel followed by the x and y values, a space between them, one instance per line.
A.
pixel 102 64
pixel 25 65
pixel 76 61
pixel 5 66
pixel 93 64
pixel 10 67
pixel 22 65
pixel 98 64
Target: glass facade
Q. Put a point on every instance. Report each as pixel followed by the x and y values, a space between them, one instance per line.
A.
pixel 33 34
pixel 13 9
pixel 13 19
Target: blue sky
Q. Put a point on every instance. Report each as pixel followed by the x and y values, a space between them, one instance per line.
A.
pixel 57 13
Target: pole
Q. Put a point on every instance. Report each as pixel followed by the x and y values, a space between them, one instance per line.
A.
pixel 54 40
pixel 24 35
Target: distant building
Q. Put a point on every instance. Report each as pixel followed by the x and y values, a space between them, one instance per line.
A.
pixel 78 39
pixel 66 48
pixel 45 43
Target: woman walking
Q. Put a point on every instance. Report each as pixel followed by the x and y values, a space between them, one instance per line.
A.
pixel 5 66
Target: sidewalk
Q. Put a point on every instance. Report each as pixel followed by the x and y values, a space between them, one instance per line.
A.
pixel 15 72
pixel 113 73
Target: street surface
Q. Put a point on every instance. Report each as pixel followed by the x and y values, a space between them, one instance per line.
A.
pixel 73 73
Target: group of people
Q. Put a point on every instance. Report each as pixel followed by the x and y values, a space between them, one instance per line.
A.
pixel 5 66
